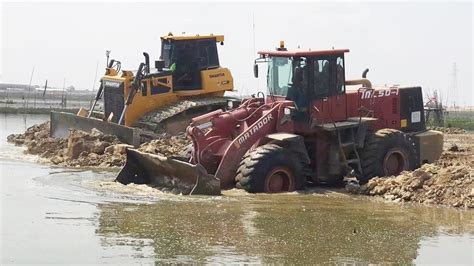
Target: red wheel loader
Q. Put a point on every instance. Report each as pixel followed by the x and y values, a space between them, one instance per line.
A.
pixel 310 128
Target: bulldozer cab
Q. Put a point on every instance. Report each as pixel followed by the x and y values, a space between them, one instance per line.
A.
pixel 188 66
pixel 187 56
pixel 314 80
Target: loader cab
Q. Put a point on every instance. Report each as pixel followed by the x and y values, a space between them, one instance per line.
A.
pixel 187 56
pixel 314 80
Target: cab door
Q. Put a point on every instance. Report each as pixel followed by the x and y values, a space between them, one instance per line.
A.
pixel 321 92
pixel 338 95
pixel 328 88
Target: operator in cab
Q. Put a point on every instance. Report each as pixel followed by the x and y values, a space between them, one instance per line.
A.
pixel 185 67
pixel 298 94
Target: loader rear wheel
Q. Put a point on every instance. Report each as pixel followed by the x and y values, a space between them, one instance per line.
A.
pixel 387 152
pixel 270 168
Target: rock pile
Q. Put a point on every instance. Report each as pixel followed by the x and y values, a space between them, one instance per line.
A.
pixel 430 184
pixel 37 141
pixel 449 130
pixel 449 181
pixel 94 149
pixel 170 146
pixel 91 149
pixel 78 150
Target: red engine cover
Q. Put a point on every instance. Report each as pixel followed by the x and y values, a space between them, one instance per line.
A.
pixel 381 103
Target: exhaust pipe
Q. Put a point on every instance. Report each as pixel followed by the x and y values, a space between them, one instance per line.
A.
pixel 364 82
pixel 147 62
pixel 364 74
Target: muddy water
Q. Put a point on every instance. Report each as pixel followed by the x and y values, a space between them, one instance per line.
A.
pixel 54 215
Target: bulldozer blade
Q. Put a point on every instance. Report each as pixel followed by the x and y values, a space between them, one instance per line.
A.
pixel 62 122
pixel 167 174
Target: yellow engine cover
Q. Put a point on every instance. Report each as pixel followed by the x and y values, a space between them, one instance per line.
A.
pixel 155 93
pixel 219 79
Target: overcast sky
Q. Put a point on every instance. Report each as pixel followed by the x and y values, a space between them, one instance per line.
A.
pixel 400 42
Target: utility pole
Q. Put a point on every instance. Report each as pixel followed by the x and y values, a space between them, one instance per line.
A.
pixel 95 77
pixel 29 86
pixel 454 84
pixel 34 102
pixel 34 97
pixel 45 86
pixel 254 52
pixel 63 98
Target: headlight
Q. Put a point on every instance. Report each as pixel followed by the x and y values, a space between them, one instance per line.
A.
pixel 230 104
pixel 287 111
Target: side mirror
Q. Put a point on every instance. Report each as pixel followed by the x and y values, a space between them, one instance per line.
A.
pixel 255 70
pixel 159 64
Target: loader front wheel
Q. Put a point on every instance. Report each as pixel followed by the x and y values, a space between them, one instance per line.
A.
pixel 270 168
pixel 387 152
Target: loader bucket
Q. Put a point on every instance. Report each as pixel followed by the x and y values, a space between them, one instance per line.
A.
pixel 167 174
pixel 61 123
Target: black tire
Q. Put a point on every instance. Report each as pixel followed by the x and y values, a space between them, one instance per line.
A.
pixel 387 152
pixel 266 167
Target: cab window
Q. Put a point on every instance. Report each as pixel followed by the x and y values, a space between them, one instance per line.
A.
pixel 340 79
pixel 207 54
pixel 322 77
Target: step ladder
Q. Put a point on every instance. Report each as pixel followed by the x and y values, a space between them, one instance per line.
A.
pixel 349 144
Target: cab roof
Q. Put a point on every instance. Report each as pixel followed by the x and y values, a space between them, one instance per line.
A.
pixel 170 36
pixel 298 53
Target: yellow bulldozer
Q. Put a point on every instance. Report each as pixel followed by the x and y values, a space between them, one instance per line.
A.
pixel 186 81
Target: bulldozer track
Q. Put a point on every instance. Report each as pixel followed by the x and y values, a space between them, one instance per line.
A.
pixel 153 121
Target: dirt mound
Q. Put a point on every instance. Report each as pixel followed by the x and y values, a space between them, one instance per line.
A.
pixel 449 181
pixel 449 130
pixel 94 149
pixel 79 149
pixel 91 149
pixel 431 184
pixel 38 142
pixel 168 146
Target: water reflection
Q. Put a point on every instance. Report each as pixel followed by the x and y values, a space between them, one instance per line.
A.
pixel 300 229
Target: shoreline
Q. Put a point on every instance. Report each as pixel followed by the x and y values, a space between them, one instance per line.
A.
pixel 35 111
